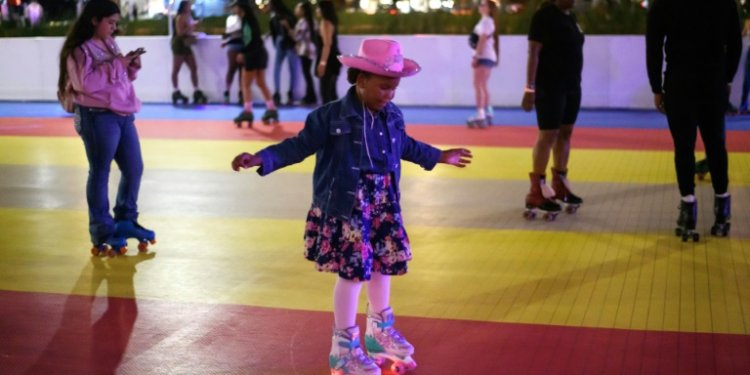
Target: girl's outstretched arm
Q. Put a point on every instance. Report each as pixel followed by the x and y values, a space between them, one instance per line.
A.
pixel 459 157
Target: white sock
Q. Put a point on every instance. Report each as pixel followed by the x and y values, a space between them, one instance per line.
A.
pixel 722 195
pixel 480 113
pixel 379 292
pixel 689 198
pixel 270 105
pixel 345 301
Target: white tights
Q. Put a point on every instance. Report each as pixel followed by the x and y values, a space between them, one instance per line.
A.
pixel 346 298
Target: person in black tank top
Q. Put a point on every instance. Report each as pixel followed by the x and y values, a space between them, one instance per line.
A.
pixel 327 45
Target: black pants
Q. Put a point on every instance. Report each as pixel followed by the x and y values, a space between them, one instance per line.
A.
pixel 328 87
pixel 695 103
pixel 307 73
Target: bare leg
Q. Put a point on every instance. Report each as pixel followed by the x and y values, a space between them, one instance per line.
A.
pixel 177 61
pixel 190 60
pixel 542 149
pixel 561 149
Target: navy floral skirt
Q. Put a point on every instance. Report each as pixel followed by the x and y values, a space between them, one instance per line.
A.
pixel 372 240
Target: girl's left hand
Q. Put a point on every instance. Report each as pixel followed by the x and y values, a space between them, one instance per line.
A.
pixel 246 160
pixel 459 157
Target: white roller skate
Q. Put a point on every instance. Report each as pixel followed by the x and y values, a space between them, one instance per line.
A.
pixel 384 343
pixel 347 357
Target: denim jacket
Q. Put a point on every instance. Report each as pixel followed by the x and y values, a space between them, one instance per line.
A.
pixel 334 133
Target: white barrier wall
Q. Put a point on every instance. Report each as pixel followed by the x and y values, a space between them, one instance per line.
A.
pixel 614 74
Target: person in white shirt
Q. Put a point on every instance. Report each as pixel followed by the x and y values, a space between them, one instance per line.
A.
pixel 486 56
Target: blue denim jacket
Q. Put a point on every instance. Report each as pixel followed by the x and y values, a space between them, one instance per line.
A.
pixel 334 133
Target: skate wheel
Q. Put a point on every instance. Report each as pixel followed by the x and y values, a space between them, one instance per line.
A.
pixel 238 124
pixel 398 368
pixel 95 251
pixel 678 232
pixel 696 237
pixel 550 216
pixel 529 215
pixel 715 230
pixel 143 247
pixel 571 209
pixel 684 237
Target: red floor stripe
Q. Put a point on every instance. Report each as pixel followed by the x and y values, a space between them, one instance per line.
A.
pixel 48 333
pixel 500 136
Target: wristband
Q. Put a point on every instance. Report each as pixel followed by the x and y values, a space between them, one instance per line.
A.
pixel 529 90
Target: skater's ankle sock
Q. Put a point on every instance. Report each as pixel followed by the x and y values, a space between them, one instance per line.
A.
pixel 689 198
pixel 722 195
pixel 480 113
pixel 247 107
pixel 270 104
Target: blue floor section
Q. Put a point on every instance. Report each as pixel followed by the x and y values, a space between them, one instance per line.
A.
pixel 627 119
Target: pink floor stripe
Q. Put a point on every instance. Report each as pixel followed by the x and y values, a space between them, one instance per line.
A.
pixel 58 334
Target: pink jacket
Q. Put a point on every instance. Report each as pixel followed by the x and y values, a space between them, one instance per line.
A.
pixel 100 80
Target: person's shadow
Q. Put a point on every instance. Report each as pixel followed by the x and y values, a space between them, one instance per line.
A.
pixel 94 332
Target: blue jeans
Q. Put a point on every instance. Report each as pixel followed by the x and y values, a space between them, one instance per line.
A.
pixel 291 55
pixel 108 136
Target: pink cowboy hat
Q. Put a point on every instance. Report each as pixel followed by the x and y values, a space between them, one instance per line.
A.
pixel 382 57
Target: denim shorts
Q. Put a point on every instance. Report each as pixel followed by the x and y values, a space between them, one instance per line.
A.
pixel 486 62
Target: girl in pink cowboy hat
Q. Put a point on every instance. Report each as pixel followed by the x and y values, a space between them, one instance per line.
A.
pixel 354 227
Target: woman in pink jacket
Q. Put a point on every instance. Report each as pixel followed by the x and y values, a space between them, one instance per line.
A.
pixel 96 84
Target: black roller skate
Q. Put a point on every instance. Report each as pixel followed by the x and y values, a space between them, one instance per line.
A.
pixel 479 123
pixel 686 221
pixel 271 116
pixel 131 229
pixel 199 97
pixel 561 186
pixel 114 245
pixel 178 98
pixel 701 169
pixel 277 99
pixel 723 212
pixel 490 114
pixel 537 200
pixel 244 116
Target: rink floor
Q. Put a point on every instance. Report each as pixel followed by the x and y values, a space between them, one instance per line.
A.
pixel 226 290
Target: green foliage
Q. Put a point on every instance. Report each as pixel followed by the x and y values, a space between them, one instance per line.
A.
pixel 619 18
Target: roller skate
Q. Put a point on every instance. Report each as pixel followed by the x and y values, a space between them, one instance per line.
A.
pixel 114 245
pixel 701 169
pixel 385 344
pixel 131 229
pixel 561 186
pixel 489 115
pixel 199 97
pixel 539 198
pixel 347 357
pixel 686 221
pixel 244 116
pixel 722 212
pixel 271 116
pixel 178 98
pixel 479 123
pixel 277 99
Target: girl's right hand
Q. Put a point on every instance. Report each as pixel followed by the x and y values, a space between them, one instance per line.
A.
pixel 246 160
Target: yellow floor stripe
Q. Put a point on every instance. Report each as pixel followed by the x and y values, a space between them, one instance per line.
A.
pixel 616 166
pixel 610 280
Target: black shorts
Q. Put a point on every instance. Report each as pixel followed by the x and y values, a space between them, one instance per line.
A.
pixel 255 59
pixel 555 107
